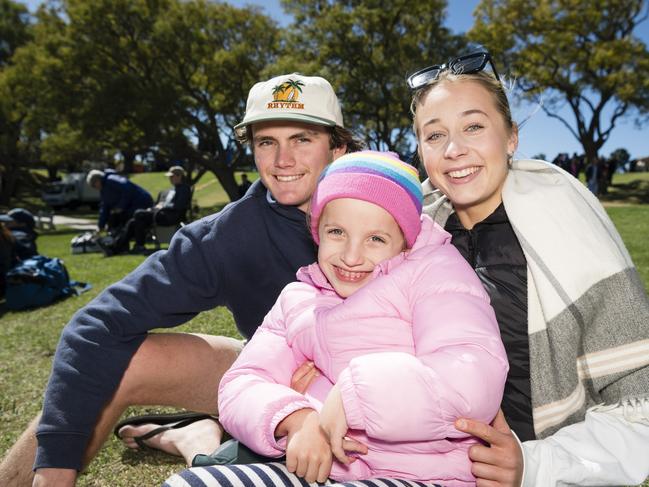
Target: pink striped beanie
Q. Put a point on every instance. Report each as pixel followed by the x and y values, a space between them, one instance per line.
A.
pixel 380 178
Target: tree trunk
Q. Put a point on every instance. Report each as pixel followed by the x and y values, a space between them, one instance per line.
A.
pixel 590 151
pixel 225 175
pixel 129 157
pixel 52 172
pixel 9 183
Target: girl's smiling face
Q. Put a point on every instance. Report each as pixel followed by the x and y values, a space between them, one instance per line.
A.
pixel 354 237
pixel 464 144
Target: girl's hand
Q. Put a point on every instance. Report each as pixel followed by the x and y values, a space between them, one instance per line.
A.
pixel 334 424
pixel 501 462
pixel 303 376
pixel 308 454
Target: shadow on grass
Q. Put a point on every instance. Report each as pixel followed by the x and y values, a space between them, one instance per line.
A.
pixel 633 192
pixel 150 456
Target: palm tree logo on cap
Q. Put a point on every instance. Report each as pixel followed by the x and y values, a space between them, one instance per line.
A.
pixel 288 91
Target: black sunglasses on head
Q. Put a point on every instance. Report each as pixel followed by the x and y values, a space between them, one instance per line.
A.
pixel 468 64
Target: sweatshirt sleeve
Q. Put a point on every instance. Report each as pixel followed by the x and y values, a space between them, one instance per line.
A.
pixel 96 346
pixel 254 395
pixel 458 369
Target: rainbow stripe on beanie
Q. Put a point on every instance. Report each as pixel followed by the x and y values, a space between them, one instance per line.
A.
pixel 380 178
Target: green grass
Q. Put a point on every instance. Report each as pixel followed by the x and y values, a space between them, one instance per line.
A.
pixel 633 224
pixel 29 338
pixel 28 343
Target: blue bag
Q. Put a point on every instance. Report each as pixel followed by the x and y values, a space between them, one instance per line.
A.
pixel 39 281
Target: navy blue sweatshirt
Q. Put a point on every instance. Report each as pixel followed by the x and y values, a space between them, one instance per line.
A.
pixel 117 192
pixel 241 258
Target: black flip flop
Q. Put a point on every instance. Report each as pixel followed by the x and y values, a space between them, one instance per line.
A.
pixel 166 422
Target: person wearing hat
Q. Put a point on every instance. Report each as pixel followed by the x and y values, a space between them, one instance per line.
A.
pixel 240 258
pixel 170 209
pixel 119 198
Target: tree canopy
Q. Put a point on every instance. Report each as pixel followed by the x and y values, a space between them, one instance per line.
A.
pixel 163 77
pixel 582 54
pixel 167 80
pixel 366 49
pixel 15 31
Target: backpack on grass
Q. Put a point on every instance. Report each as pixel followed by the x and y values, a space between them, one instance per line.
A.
pixel 39 281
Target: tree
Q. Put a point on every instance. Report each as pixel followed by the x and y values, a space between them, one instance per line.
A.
pixel 14 22
pixel 621 156
pixel 212 54
pixel 129 78
pixel 366 49
pixel 582 54
pixel 14 32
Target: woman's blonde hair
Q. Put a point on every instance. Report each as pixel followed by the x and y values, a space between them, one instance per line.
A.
pixel 483 78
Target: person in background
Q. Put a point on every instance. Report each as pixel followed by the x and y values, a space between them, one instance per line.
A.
pixel 170 209
pixel 22 225
pixel 245 184
pixel 7 254
pixel 119 198
pixel 570 304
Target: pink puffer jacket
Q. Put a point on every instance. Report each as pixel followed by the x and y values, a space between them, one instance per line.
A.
pixel 413 350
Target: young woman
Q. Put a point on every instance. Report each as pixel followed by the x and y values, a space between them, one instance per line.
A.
pixel 392 316
pixel 572 310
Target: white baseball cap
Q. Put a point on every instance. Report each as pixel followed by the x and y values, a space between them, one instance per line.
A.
pixel 309 99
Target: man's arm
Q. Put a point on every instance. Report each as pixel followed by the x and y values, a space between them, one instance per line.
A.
pixel 100 340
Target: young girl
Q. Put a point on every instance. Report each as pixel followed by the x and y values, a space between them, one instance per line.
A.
pixel 399 327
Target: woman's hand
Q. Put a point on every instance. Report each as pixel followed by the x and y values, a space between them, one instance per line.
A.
pixel 501 462
pixel 308 454
pixel 334 423
pixel 303 376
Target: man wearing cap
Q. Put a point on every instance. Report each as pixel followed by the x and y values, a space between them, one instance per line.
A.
pixel 170 209
pixel 240 258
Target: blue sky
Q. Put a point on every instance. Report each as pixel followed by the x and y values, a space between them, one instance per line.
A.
pixel 540 134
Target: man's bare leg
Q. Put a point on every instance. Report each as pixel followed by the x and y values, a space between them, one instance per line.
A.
pixel 22 453
pixel 190 368
pixel 169 369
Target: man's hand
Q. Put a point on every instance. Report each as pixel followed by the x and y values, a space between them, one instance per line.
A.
pixel 307 451
pixel 501 462
pixel 334 423
pixel 55 477
pixel 303 376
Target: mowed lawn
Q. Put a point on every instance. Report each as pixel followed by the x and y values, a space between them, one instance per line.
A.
pixel 28 339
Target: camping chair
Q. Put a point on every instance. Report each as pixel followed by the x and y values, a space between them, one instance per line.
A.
pixel 160 234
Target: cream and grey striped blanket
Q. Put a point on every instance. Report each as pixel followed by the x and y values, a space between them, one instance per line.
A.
pixel 588 312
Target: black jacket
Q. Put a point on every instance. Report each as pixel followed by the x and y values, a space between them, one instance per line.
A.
pixel 492 249
pixel 174 202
